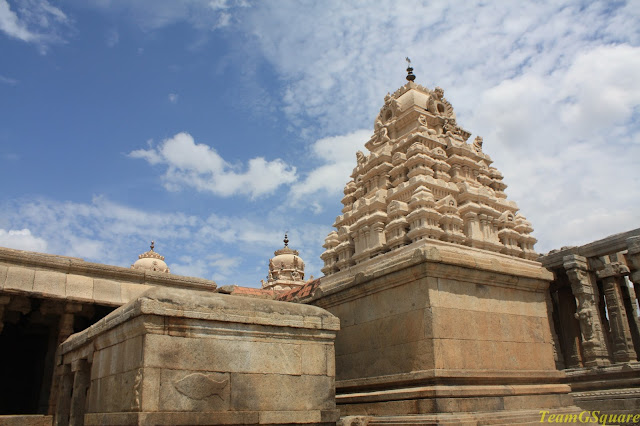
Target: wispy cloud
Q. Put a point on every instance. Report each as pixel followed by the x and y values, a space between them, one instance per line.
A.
pixel 9 81
pixel 205 15
pixel 200 167
pixel 214 247
pixel 34 21
pixel 173 98
pixel 22 239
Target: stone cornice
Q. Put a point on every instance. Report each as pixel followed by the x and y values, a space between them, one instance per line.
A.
pixel 203 306
pixel 434 258
pixel 74 265
pixel 611 244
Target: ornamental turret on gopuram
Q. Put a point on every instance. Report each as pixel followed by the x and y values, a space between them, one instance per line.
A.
pixel 420 179
pixel 286 269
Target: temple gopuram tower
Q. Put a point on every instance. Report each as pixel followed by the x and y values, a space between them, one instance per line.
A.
pixel 421 179
pixel 444 311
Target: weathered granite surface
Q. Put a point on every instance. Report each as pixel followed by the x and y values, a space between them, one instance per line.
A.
pixel 175 356
pixel 75 280
pixel 435 328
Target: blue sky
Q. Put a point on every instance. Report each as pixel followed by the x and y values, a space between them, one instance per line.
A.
pixel 214 126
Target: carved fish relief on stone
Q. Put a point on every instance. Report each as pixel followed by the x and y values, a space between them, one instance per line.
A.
pixel 200 386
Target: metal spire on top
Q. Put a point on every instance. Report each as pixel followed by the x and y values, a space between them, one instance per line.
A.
pixel 286 240
pixel 410 76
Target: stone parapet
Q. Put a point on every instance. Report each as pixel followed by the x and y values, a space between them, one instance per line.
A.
pixel 73 279
pixel 175 356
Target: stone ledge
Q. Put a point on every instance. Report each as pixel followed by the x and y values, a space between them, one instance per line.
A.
pixel 77 266
pixel 520 417
pixel 453 377
pixel 191 304
pixel 504 270
pixel 319 418
pixel 26 420
pixel 452 391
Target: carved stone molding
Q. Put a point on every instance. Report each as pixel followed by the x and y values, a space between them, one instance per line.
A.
pixel 201 386
pixel 593 342
pixel 633 259
pixel 612 276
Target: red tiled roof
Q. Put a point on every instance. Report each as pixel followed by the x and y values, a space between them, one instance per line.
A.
pixel 299 293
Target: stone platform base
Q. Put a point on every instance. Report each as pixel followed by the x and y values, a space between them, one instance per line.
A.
pixel 518 417
pixel 619 401
pixel 311 418
pixel 468 398
pixel 610 389
pixel 26 420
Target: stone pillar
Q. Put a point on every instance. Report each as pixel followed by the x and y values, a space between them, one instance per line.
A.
pixel 612 276
pixel 631 306
pixel 63 404
pixel 570 329
pixel 4 301
pixel 583 288
pixel 472 229
pixel 557 353
pixel 378 235
pixel 81 382
pixel 65 329
pixel 633 261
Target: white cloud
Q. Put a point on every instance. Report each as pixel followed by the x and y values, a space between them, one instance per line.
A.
pixel 173 98
pixel 199 166
pixel 565 142
pixel 337 155
pixel 34 21
pixel 22 239
pixel 11 25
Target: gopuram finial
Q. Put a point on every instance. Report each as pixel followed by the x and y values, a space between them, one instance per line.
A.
pixel 153 244
pixel 286 239
pixel 410 76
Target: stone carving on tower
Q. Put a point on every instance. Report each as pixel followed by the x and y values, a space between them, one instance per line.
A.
pixel 151 261
pixel 286 269
pixel 421 179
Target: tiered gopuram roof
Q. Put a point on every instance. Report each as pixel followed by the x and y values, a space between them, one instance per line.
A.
pixel 422 180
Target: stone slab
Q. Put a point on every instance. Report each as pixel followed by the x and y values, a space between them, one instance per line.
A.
pixel 107 292
pixel 50 283
pixel 19 279
pixel 79 287
pixel 26 420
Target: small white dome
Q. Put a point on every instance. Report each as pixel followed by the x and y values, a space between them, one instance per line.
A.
pixel 151 261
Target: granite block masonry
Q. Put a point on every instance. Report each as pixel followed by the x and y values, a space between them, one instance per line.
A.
pixel 178 357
